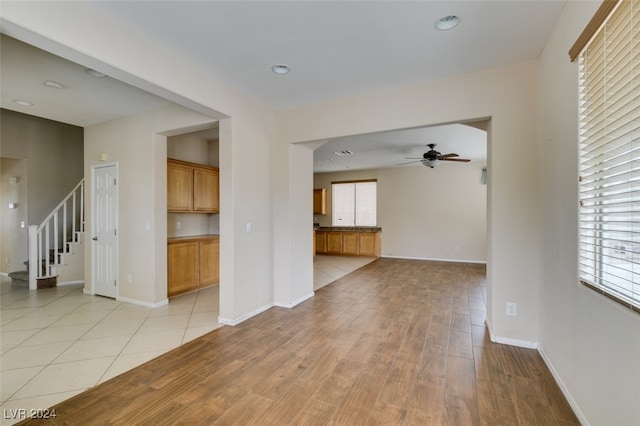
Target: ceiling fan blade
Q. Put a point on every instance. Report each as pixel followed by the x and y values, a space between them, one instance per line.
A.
pixel 449 155
pixel 410 162
pixel 460 160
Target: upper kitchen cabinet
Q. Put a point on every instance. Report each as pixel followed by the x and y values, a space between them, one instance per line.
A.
pixel 192 187
pixel 320 201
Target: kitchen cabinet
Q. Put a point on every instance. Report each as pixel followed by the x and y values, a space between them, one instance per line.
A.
pixel 192 187
pixel 179 187
pixel 320 241
pixel 193 263
pixel 320 201
pixel 334 242
pixel 348 243
pixel 369 244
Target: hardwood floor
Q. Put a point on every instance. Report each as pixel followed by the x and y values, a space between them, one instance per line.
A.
pixel 395 342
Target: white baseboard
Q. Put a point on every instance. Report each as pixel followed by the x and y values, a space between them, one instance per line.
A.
pixel 509 341
pixel 70 282
pixel 563 388
pixel 236 321
pixel 88 291
pixel 295 302
pixel 483 262
pixel 143 303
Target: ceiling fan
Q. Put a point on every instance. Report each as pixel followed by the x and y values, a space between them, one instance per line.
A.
pixel 432 158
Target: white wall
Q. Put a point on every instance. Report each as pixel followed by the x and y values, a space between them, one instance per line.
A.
pixel 508 95
pixel 592 343
pixel 425 213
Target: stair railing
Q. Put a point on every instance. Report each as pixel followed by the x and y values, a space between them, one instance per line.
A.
pixel 62 225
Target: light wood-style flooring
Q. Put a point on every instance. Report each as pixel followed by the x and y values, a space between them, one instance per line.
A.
pixel 395 342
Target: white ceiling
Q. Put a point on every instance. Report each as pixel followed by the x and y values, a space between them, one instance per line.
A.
pixel 334 49
pixel 391 149
pixel 84 100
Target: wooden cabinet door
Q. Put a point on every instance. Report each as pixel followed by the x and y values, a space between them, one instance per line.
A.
pixel 205 190
pixel 179 187
pixel 321 242
pixel 209 262
pixel 349 243
pixel 369 244
pixel 182 267
pixel 320 201
pixel 334 242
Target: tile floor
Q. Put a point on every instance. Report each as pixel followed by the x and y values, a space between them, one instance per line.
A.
pixel 327 269
pixel 58 342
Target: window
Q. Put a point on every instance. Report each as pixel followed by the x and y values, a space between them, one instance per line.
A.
pixel 354 203
pixel 609 132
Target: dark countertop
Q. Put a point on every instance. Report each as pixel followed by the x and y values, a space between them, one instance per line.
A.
pixel 348 229
pixel 192 238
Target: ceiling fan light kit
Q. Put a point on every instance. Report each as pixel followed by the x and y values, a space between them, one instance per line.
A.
pixel 432 157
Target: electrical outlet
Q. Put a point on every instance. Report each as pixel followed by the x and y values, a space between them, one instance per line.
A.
pixel 129 278
pixel 6 260
pixel 178 225
pixel 512 309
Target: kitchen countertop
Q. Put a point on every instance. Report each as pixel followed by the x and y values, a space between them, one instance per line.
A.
pixel 192 238
pixel 347 229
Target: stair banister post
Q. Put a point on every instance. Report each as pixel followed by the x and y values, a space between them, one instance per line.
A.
pixel 33 257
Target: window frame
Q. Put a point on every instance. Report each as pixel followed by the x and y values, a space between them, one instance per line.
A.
pixel 608 249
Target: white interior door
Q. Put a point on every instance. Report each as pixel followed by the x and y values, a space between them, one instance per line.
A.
pixel 105 230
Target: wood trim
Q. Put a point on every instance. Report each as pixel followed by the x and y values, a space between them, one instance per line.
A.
pixel 592 27
pixel 611 296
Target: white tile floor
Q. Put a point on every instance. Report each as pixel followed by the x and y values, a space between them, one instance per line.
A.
pixel 327 269
pixel 58 342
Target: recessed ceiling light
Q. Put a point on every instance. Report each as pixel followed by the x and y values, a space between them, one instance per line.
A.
pixel 95 73
pixel 447 22
pixel 22 102
pixel 53 84
pixel 281 69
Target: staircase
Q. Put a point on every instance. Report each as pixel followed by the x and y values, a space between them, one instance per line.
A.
pixel 55 246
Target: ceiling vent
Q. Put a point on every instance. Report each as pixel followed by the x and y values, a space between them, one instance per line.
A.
pixel 344 152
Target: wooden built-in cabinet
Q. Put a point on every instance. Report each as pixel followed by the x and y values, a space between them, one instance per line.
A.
pixel 192 187
pixel 320 201
pixel 349 243
pixel 193 263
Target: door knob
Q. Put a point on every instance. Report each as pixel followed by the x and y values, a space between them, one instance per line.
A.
pixel 95 238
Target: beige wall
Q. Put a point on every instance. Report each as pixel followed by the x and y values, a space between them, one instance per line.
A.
pixel 136 145
pixel 51 155
pixel 424 213
pixel 592 343
pixel 508 95
pixel 266 179
pixel 246 140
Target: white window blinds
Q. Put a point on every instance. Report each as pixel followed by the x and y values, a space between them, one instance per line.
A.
pixel 609 67
pixel 354 203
